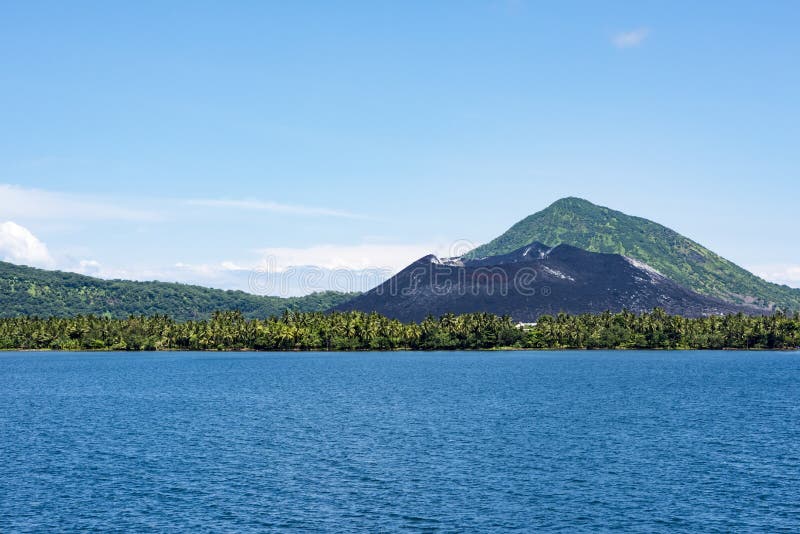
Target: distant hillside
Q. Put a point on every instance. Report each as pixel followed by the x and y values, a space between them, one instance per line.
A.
pixel 30 291
pixel 580 223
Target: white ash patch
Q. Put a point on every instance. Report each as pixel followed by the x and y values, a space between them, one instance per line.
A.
pixel 655 276
pixel 452 262
pixel 557 274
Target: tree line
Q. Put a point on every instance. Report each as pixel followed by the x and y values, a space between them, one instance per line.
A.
pixel 338 331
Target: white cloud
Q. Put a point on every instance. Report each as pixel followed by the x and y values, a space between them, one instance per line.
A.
pixel 88 267
pixel 22 203
pixel 275 207
pixel 780 273
pixel 18 245
pixel 264 279
pixel 292 271
pixel 201 269
pixel 285 271
pixel 631 38
pixel 352 257
pixel 231 266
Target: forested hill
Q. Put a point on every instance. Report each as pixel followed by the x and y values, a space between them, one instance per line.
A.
pixel 577 222
pixel 31 291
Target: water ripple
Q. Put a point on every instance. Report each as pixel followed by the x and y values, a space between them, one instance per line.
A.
pixel 417 442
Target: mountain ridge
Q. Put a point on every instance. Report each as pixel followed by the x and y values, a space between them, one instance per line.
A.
pixel 32 291
pixel 594 228
pixel 572 228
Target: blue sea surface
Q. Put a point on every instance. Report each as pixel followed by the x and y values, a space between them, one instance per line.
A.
pixel 429 442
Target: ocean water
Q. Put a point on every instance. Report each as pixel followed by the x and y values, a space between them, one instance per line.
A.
pixel 418 442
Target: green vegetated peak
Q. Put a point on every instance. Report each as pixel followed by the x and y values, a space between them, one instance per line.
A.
pixel 582 224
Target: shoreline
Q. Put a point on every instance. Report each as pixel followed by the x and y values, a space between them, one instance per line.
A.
pixel 495 349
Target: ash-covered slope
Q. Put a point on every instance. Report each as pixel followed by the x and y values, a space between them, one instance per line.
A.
pixel 531 281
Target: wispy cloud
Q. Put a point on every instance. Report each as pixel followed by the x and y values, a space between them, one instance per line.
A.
pixel 349 257
pixel 18 202
pixel 24 204
pixel 275 207
pixel 286 271
pixel 630 39
pixel 780 273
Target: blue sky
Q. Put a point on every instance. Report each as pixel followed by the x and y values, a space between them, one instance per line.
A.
pixel 197 141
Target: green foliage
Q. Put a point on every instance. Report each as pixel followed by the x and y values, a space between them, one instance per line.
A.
pixel 362 331
pixel 594 228
pixel 232 331
pixel 30 291
pixel 657 330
